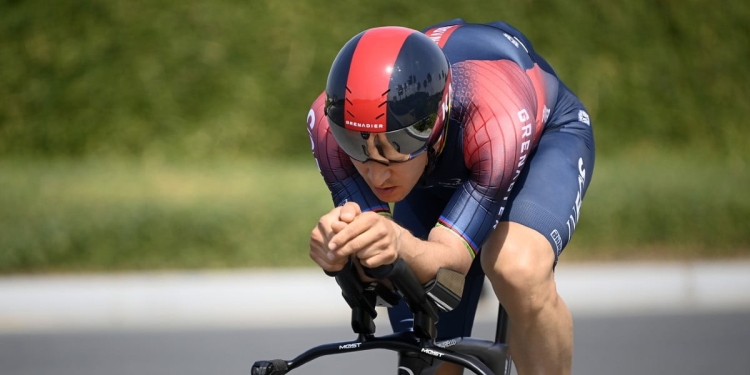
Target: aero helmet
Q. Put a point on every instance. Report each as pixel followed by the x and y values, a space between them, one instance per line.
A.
pixel 387 95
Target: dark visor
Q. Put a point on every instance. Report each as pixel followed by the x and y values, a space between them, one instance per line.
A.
pixel 394 146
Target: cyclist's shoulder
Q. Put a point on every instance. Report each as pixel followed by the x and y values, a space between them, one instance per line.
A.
pixel 318 102
pixel 317 124
pixel 487 90
pixel 475 27
pixel 463 41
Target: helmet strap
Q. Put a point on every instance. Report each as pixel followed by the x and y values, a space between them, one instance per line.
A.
pixel 433 151
pixel 432 156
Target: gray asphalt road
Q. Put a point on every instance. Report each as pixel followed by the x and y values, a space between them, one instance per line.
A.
pixel 716 343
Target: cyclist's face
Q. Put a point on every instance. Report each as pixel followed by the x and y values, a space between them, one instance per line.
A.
pixel 390 181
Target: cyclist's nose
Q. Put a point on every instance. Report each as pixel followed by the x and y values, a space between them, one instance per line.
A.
pixel 378 173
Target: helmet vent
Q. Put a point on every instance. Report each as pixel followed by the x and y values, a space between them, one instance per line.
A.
pixel 383 103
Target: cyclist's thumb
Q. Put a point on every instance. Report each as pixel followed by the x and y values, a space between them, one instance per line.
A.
pixel 349 211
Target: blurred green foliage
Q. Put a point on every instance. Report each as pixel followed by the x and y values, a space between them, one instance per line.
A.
pixel 664 206
pixel 195 79
pixel 103 215
pixel 136 134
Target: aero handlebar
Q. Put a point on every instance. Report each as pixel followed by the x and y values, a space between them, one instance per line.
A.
pixel 417 347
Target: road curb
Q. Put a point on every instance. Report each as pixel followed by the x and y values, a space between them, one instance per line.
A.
pixel 305 297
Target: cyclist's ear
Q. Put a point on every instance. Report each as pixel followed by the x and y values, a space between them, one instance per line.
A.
pixel 349 211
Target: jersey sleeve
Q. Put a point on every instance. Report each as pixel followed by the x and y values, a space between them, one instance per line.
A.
pixel 500 110
pixel 339 174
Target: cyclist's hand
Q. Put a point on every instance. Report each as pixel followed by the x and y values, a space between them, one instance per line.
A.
pixel 328 225
pixel 371 237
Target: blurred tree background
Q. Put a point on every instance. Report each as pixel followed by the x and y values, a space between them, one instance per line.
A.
pixel 138 135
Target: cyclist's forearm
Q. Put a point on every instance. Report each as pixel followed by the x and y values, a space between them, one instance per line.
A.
pixel 441 249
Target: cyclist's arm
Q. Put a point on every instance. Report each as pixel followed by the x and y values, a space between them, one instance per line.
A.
pixel 337 170
pixel 442 249
pixel 502 126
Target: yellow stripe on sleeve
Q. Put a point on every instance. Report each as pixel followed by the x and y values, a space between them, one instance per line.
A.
pixel 468 247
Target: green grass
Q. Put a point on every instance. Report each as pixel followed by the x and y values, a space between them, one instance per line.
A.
pixel 117 215
pixel 105 215
pixel 665 206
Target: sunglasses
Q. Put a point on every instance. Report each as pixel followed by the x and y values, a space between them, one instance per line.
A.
pixel 396 146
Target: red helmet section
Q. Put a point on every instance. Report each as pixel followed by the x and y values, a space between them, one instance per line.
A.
pixel 366 97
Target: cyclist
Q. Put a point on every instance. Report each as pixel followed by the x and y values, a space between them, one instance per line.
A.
pixel 478 145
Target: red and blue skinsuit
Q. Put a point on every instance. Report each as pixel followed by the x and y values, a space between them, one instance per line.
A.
pixel 518 147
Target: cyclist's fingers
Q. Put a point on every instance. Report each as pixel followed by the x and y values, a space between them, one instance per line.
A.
pixel 319 239
pixel 326 222
pixel 349 211
pixel 380 259
pixel 370 242
pixel 367 252
pixel 332 215
pixel 320 253
pixel 376 256
pixel 338 226
pixel 358 234
pixel 321 234
pixel 318 243
pixel 351 231
pixel 326 264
